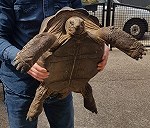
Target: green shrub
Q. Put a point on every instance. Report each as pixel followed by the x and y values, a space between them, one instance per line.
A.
pixel 89 1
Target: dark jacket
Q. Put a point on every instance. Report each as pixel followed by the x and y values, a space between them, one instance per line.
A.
pixel 20 21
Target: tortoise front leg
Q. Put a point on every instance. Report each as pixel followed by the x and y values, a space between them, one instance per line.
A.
pixel 123 41
pixel 89 102
pixel 32 51
pixel 36 106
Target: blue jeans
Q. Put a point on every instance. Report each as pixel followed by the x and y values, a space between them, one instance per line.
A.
pixel 60 113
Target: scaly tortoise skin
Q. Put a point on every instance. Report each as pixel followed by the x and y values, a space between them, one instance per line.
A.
pixel 69 45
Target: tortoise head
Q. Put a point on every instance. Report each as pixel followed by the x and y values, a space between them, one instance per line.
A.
pixel 75 26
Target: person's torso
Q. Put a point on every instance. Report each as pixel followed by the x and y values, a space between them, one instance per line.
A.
pixel 29 15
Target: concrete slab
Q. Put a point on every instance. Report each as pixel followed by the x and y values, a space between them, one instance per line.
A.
pixel 122 94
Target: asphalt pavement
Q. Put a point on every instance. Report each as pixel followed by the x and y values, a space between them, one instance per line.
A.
pixel 122 94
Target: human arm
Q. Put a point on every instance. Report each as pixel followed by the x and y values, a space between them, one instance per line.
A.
pixel 8 49
pixel 38 72
pixel 102 64
pixel 7 22
pixel 76 4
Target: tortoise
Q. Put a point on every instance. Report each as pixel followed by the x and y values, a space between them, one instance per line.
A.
pixel 69 45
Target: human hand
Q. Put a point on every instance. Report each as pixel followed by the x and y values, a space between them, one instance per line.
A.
pixel 38 72
pixel 102 64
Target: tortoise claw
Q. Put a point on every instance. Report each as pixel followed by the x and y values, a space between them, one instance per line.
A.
pixel 139 52
pixel 22 62
pixel 21 65
pixel 30 118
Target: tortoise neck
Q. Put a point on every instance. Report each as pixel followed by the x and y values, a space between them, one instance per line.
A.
pixel 79 36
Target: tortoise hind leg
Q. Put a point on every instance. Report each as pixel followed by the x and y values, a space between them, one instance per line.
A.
pixel 36 106
pixel 89 102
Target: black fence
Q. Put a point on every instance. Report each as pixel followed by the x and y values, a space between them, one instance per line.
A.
pixel 132 19
pixel 97 10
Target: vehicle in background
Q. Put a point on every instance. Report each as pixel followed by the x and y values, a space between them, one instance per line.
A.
pixel 141 3
pixel 133 20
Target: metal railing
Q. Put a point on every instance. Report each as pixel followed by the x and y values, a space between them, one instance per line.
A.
pixel 93 10
pixel 132 19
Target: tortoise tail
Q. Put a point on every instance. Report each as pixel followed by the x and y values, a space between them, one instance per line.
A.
pixel 90 106
pixel 89 102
